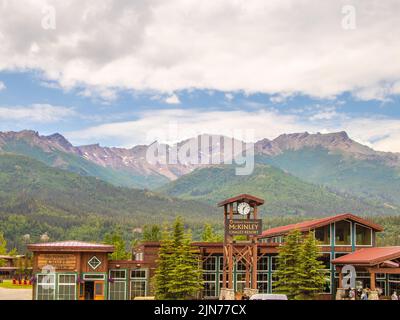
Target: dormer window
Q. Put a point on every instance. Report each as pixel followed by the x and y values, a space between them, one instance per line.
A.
pixel 342 233
pixel 323 235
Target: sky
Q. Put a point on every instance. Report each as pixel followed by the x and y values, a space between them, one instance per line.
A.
pixel 126 72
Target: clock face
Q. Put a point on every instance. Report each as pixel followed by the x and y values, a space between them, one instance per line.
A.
pixel 243 208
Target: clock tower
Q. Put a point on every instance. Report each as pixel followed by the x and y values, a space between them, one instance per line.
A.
pixel 242 228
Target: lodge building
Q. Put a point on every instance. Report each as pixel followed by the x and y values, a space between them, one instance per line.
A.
pixel 82 271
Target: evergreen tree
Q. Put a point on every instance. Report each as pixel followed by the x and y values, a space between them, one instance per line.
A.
pixel 164 265
pixel 178 274
pixel 288 268
pixel 3 248
pixel 119 243
pixel 209 235
pixel 311 276
pixel 152 233
pixel 186 273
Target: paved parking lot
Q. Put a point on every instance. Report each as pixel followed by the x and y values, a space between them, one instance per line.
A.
pixel 15 294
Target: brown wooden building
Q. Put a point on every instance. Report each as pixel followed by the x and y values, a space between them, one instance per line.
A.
pixel 82 270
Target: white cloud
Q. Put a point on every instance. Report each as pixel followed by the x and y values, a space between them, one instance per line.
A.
pixel 173 99
pixel 2 86
pixel 280 47
pixel 229 96
pixel 175 125
pixel 36 113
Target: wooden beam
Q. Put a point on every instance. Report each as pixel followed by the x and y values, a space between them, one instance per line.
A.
pixel 384 270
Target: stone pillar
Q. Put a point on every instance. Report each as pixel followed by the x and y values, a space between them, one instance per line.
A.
pixel 340 293
pixel 227 294
pixel 250 292
pixel 373 295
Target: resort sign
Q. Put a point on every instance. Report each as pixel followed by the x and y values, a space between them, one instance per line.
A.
pixel 242 227
pixel 58 261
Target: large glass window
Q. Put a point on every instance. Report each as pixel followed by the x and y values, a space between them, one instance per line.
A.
pixel 262 282
pixel 46 287
pixel 66 287
pixel 326 260
pixel 138 283
pixel 210 285
pixel 262 264
pixel 343 233
pixel 323 235
pixel 274 263
pixel 363 236
pixel 118 285
pixel 210 264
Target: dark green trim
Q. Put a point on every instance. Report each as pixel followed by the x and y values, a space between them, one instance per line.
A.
pixel 333 287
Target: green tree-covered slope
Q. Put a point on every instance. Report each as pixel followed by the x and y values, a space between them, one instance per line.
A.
pixel 76 164
pixel 35 198
pixel 363 178
pixel 284 194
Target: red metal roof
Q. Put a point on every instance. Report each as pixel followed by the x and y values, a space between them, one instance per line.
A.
pixel 242 197
pixel 369 256
pixel 312 224
pixel 71 245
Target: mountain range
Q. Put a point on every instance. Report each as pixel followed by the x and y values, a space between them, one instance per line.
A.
pixel 82 192
pixel 332 160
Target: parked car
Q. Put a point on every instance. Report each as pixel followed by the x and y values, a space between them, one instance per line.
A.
pixel 266 296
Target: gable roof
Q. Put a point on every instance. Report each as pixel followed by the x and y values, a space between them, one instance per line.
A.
pixel 71 246
pixel 241 197
pixel 316 223
pixel 369 256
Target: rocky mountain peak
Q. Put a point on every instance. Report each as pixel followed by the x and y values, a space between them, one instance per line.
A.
pixel 60 140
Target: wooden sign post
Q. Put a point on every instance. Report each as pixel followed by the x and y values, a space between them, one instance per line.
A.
pixel 240 219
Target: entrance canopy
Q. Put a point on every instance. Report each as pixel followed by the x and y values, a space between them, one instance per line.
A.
pixel 387 256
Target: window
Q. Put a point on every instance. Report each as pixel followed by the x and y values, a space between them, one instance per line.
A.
pixel 343 233
pixel 210 287
pixel 323 235
pixel 274 263
pixel 46 287
pixel 240 276
pixel 326 259
pixel 210 264
pixel 262 282
pixel 327 284
pixel 93 277
pixel 240 281
pixel 274 279
pixel 363 236
pixel 221 263
pixel 139 256
pixel 262 264
pixel 66 287
pixel 138 283
pixel 98 290
pixel 139 274
pixel 382 286
pixel 117 287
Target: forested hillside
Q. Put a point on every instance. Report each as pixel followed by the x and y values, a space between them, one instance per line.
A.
pixel 284 193
pixel 35 199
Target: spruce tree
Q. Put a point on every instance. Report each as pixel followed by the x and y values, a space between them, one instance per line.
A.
pixel 311 276
pixel 178 274
pixel 288 268
pixel 209 235
pixel 119 244
pixel 165 263
pixel 3 249
pixel 186 274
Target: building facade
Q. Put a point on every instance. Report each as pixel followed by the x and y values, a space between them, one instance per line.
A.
pixel 82 271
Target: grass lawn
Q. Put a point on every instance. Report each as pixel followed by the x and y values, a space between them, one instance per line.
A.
pixel 7 284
